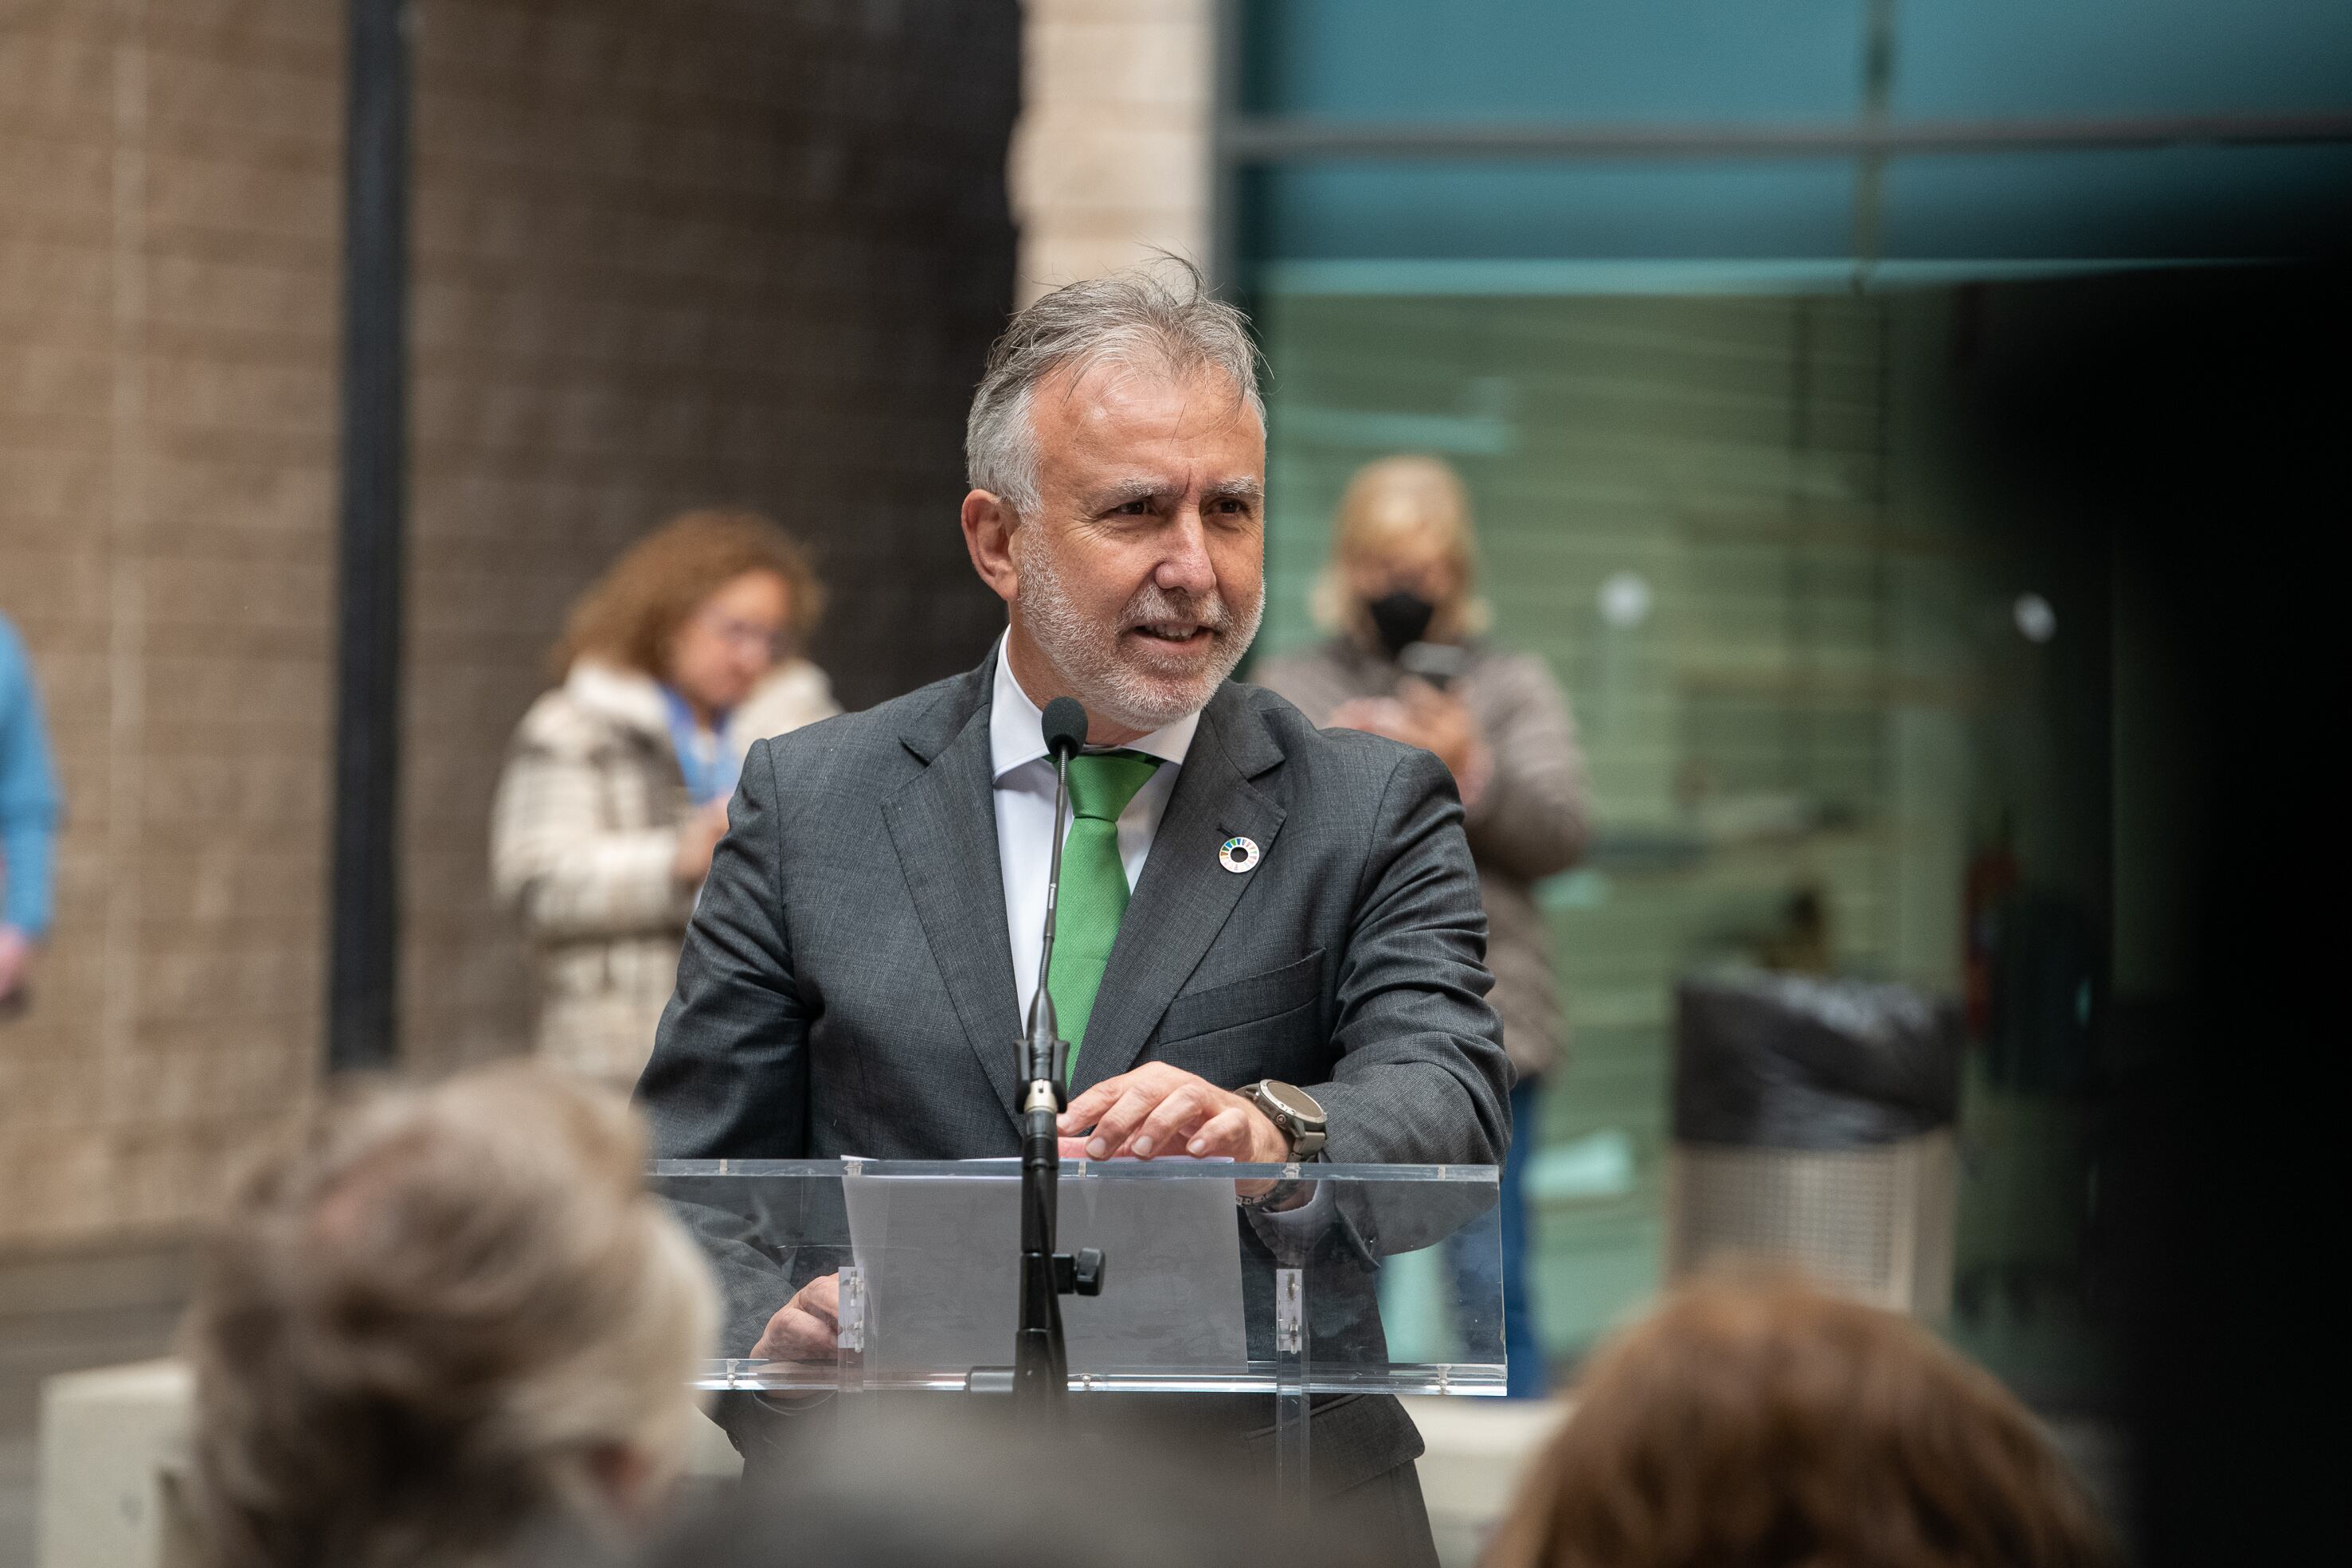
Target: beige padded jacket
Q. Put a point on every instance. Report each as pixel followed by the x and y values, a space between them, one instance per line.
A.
pixel 582 836
pixel 1530 822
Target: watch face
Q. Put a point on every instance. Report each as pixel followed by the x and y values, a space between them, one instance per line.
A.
pixel 1295 1102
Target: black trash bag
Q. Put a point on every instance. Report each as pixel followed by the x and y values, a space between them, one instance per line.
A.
pixel 2047 1000
pixel 1795 1061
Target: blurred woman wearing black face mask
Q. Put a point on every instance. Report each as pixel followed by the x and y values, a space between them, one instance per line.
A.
pixel 1407 660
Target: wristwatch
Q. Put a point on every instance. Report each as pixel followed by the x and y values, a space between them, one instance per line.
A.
pixel 1294 1110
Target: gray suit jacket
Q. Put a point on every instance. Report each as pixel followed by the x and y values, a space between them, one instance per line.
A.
pixel 846 985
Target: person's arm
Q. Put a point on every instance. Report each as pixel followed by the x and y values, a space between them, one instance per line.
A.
pixel 553 861
pixel 1420 1076
pixel 729 1077
pixel 28 801
pixel 1534 814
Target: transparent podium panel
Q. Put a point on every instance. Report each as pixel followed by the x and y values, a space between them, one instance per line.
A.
pixel 849 1275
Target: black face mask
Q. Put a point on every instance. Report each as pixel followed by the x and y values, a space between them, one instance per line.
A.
pixel 1402 619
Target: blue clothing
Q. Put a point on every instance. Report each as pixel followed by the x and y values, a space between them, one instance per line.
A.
pixel 705 758
pixel 28 795
pixel 1478 1263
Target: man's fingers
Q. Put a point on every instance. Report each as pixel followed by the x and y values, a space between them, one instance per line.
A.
pixel 807 1327
pixel 820 1299
pixel 1087 1107
pixel 1172 1121
pixel 1155 1109
pixel 795 1335
pixel 1226 1132
pixel 1115 1104
pixel 1119 1124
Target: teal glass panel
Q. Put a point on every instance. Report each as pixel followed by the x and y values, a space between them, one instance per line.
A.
pixel 1748 536
pixel 2174 202
pixel 1987 59
pixel 1529 209
pixel 1723 62
pixel 1714 61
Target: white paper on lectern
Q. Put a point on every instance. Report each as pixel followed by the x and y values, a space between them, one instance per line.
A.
pixel 940 1258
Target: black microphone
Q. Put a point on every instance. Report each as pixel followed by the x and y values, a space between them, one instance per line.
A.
pixel 1040 1356
pixel 1064 725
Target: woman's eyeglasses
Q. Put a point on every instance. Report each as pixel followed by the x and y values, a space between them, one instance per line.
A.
pixel 746 634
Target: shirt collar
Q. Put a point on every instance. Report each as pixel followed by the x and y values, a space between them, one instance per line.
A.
pixel 1016 736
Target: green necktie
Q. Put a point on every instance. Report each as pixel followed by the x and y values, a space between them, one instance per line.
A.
pixel 1094 884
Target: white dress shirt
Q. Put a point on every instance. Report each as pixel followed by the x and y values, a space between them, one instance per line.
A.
pixel 1025 813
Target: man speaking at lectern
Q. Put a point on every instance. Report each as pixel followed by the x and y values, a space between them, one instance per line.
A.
pixel 1244 900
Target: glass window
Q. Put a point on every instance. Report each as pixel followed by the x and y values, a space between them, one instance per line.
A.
pixel 1842 707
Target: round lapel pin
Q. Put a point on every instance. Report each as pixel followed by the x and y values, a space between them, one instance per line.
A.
pixel 1238 855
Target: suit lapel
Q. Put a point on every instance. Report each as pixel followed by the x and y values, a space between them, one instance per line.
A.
pixel 943 824
pixel 1182 899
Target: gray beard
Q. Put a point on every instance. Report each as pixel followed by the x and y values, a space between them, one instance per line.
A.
pixel 1086 655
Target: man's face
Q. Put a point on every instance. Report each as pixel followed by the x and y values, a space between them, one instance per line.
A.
pixel 1141 575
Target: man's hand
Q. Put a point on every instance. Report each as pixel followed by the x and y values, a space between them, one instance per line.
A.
pixel 15 959
pixel 807 1327
pixel 1162 1110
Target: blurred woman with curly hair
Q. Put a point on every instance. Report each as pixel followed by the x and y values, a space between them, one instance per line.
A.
pixel 615 790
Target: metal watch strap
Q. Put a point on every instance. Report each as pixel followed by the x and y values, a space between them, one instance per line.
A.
pixel 1274 1197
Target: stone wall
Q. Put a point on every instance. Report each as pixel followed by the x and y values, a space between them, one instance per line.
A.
pixel 1110 161
pixel 698 251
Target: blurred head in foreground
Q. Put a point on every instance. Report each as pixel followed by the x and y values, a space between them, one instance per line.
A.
pixel 439 1320
pixel 977 1483
pixel 1752 1424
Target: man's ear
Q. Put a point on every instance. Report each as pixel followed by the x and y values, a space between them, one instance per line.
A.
pixel 988 524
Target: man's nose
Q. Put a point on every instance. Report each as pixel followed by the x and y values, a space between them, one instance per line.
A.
pixel 1186 567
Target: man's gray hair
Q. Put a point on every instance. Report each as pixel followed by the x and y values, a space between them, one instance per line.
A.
pixel 1161 317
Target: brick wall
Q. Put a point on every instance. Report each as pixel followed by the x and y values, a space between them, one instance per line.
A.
pixel 668 255
pixel 168 263
pixel 664 254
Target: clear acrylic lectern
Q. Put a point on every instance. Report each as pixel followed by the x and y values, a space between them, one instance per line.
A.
pixel 909 1272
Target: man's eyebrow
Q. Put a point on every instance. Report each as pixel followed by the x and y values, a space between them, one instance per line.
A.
pixel 1111 497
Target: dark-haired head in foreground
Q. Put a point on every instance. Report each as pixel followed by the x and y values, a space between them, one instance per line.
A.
pixel 947 1482
pixel 1767 1424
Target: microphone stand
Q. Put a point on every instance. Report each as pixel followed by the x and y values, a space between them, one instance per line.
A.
pixel 1041 1368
